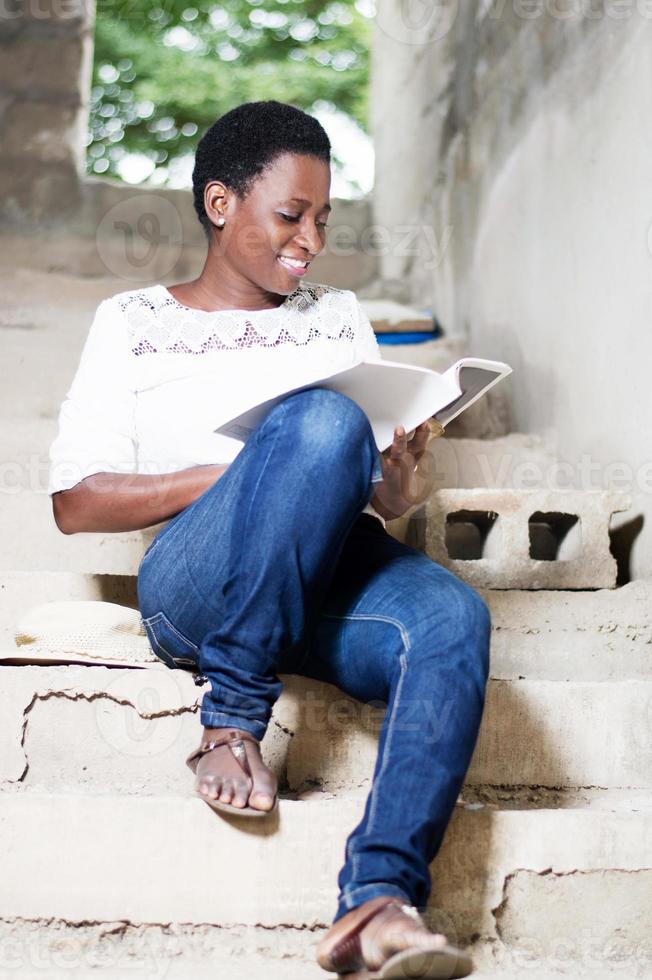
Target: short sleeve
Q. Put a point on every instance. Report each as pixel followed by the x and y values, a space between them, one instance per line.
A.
pixel 370 349
pixel 96 421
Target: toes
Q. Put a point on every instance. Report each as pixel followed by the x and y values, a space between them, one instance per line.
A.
pixel 258 792
pixel 209 786
pixel 235 792
pixel 227 791
pixel 261 800
pixel 263 792
pixel 239 799
pixel 265 784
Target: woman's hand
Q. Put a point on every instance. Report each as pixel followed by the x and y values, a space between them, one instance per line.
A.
pixel 401 471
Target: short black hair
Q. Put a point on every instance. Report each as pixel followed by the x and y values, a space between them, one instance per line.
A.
pixel 243 142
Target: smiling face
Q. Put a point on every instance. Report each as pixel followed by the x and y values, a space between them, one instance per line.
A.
pixel 282 218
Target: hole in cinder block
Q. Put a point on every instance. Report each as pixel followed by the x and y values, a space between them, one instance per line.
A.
pixel 471 534
pixel 623 532
pixel 555 537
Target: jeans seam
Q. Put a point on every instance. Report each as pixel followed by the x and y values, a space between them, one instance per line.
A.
pixel 181 636
pixel 161 616
pixel 157 617
pixel 403 662
pixel 405 636
pixel 385 756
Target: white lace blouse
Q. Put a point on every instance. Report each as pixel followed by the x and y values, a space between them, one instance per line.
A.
pixel 155 378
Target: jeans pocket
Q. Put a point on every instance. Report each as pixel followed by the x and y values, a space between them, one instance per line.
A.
pixel 170 646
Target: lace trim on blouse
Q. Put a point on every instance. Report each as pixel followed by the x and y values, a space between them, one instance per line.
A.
pixel 156 321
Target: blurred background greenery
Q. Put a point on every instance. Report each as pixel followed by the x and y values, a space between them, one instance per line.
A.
pixel 164 71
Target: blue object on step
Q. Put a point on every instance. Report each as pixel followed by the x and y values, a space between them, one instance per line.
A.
pixel 412 336
pixel 416 337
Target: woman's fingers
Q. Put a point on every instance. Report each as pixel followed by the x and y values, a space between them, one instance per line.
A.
pixel 416 444
pixel 420 439
pixel 399 445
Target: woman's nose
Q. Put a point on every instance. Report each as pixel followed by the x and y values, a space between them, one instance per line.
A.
pixel 310 239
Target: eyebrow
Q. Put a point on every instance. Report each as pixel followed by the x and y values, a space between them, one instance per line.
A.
pixel 302 200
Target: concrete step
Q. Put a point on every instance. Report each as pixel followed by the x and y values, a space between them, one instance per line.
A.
pixel 133 729
pixel 20 591
pixel 515 882
pixel 32 541
pixel 388 316
pixel 44 320
pixel 573 636
pixel 540 635
pixel 120 950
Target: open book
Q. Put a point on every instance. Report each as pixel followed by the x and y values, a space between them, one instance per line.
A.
pixel 392 393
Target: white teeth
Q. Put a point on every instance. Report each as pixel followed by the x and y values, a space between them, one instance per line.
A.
pixel 293 262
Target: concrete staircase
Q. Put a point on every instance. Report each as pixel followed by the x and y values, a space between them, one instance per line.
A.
pixel 111 866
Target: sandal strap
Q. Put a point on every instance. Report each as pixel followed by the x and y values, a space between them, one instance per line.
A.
pixel 231 738
pixel 346 956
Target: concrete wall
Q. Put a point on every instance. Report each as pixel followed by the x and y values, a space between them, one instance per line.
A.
pixel 46 51
pixel 143 234
pixel 409 42
pixel 55 218
pixel 542 169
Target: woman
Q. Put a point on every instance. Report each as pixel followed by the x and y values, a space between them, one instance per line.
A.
pixel 275 558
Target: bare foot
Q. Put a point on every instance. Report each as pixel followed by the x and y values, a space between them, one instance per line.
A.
pixel 221 776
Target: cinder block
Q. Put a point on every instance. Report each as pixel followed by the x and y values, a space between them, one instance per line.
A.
pixel 524 539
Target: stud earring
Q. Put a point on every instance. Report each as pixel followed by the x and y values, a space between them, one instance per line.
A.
pixel 220 222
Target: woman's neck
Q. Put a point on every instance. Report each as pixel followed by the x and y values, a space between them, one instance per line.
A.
pixel 221 289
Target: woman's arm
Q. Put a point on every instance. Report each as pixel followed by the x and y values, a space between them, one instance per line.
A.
pixel 128 502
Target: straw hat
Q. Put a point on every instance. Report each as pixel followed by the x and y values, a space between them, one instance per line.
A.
pixel 82 631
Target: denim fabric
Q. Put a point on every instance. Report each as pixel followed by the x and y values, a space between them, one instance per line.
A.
pixel 275 570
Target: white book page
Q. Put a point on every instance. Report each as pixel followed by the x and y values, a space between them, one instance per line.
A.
pixel 472 377
pixel 390 393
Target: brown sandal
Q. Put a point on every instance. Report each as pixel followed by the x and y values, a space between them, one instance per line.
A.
pixel 235 741
pixel 342 954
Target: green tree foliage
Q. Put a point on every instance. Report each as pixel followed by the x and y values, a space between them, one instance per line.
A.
pixel 164 70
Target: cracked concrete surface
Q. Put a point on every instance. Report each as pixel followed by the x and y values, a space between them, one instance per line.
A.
pixel 89 728
pixel 133 729
pixel 489 854
pixel 155 951
pixel 25 689
pixel 568 916
pixel 125 843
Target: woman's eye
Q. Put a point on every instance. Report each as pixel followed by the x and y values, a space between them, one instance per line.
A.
pixel 297 217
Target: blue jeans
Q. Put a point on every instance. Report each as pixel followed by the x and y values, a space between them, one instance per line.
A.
pixel 274 569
